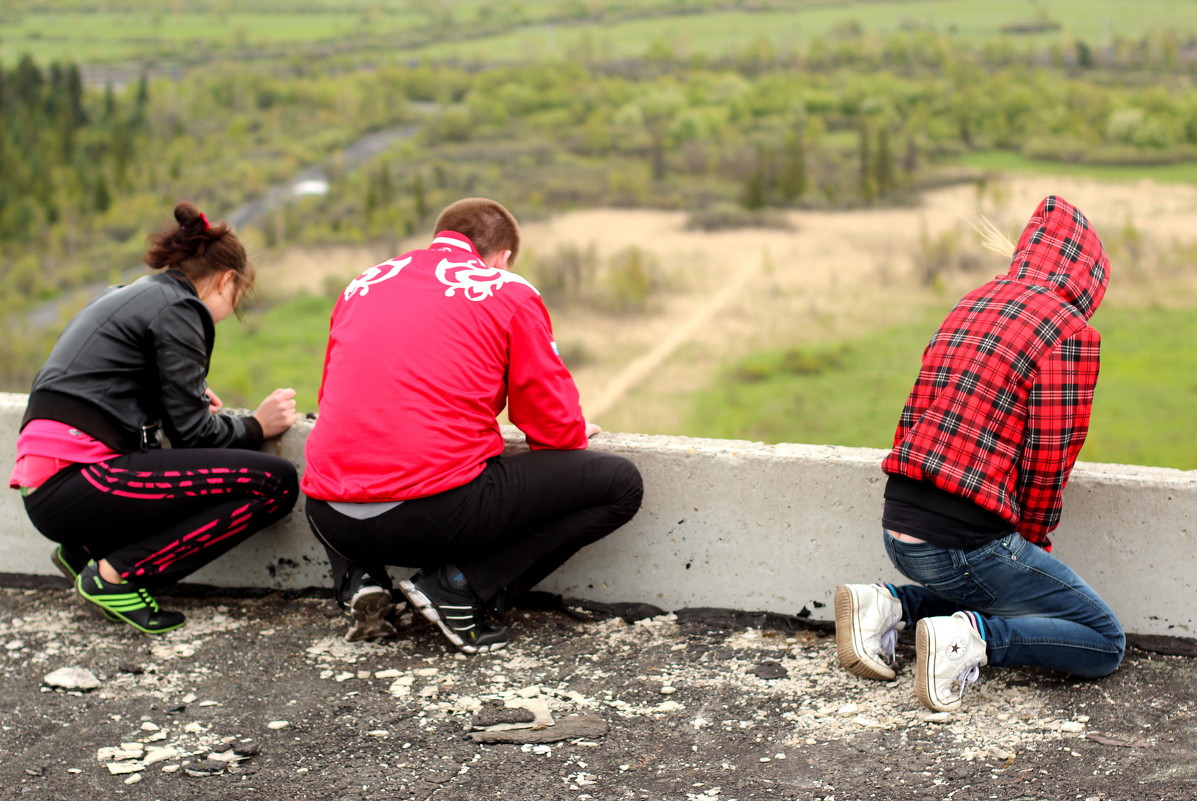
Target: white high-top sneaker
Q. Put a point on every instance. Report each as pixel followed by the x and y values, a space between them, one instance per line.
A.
pixel 867 620
pixel 950 656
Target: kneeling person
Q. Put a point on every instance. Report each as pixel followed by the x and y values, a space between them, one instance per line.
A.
pixel 982 452
pixel 405 463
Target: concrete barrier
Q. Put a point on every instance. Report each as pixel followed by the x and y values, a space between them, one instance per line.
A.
pixel 756 527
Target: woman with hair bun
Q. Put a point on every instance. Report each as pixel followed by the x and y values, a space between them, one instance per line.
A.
pixel 129 515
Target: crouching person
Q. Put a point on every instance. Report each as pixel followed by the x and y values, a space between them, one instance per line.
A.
pixel 405 463
pixel 129 515
pixel 983 449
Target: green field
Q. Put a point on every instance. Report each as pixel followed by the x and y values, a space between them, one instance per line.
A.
pixel 844 393
pixel 1002 161
pixel 479 31
pixel 279 346
pixel 851 393
pixel 801 22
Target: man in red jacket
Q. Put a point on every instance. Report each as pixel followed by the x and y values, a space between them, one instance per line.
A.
pixel 983 449
pixel 405 463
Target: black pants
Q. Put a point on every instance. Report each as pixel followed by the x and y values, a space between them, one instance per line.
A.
pixel 160 515
pixel 510 527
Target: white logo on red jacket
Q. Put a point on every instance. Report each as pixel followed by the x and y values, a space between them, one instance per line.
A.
pixel 477 281
pixel 373 275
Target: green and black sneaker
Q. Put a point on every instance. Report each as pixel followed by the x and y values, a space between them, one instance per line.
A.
pixel 127 602
pixel 71 562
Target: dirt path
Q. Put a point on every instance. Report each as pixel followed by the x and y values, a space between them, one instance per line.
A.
pixel 726 295
pixel 740 276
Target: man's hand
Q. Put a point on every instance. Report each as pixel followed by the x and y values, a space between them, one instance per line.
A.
pixel 214 402
pixel 592 429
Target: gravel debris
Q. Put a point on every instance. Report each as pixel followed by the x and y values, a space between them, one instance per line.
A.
pixel 716 706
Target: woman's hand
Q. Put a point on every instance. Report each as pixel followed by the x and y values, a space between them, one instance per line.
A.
pixel 277 412
pixel 592 429
pixel 214 402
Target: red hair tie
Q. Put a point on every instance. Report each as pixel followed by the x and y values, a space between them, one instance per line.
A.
pixel 204 220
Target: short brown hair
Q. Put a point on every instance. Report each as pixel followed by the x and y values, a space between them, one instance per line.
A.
pixel 487 224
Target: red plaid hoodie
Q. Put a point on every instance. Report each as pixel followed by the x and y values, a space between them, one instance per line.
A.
pixel 1001 406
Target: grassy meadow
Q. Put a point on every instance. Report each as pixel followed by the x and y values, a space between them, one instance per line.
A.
pixel 851 392
pixel 475 30
pixel 997 161
pixel 838 151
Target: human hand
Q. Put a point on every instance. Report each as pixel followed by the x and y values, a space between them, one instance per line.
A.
pixel 592 429
pixel 215 404
pixel 277 412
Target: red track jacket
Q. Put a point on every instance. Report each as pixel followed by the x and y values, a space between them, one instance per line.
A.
pixel 1001 406
pixel 423 352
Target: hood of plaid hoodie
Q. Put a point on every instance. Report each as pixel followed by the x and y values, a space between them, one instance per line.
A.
pixel 1060 250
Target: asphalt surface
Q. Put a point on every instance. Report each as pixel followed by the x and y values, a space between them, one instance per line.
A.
pixel 260 697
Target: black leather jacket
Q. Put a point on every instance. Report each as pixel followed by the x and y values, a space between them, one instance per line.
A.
pixel 134 360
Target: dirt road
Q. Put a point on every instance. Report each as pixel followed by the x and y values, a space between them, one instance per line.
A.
pixel 725 295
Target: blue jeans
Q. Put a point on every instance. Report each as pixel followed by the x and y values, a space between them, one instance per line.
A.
pixel 1034 609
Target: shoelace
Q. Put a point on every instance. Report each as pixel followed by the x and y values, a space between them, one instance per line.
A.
pixel 147 599
pixel 887 640
pixel 968 675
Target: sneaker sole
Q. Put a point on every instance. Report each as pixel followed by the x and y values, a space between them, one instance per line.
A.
pixel 370 612
pixel 925 645
pixel 847 643
pixel 421 601
pixel 117 617
pixel 73 577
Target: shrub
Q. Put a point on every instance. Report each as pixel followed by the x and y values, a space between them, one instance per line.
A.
pixel 728 216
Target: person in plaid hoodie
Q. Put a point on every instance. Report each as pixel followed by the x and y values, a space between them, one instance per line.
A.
pixel 983 449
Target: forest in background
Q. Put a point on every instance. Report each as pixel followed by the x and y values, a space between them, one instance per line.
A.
pixel 839 114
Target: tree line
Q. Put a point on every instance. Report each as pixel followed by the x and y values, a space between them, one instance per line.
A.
pixel 847 121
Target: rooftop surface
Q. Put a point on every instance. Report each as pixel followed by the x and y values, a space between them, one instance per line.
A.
pixel 259 696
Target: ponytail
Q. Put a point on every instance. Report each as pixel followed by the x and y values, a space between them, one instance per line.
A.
pixel 199 249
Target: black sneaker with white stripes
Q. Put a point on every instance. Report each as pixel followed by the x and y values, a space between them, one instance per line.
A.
pixel 444 597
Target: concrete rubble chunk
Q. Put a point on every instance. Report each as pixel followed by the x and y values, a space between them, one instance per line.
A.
pixel 542 716
pixel 155 755
pixel 568 728
pixel 1123 742
pixel 71 678
pixel 496 713
pixel 113 754
pixel 770 669
pixel 204 769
